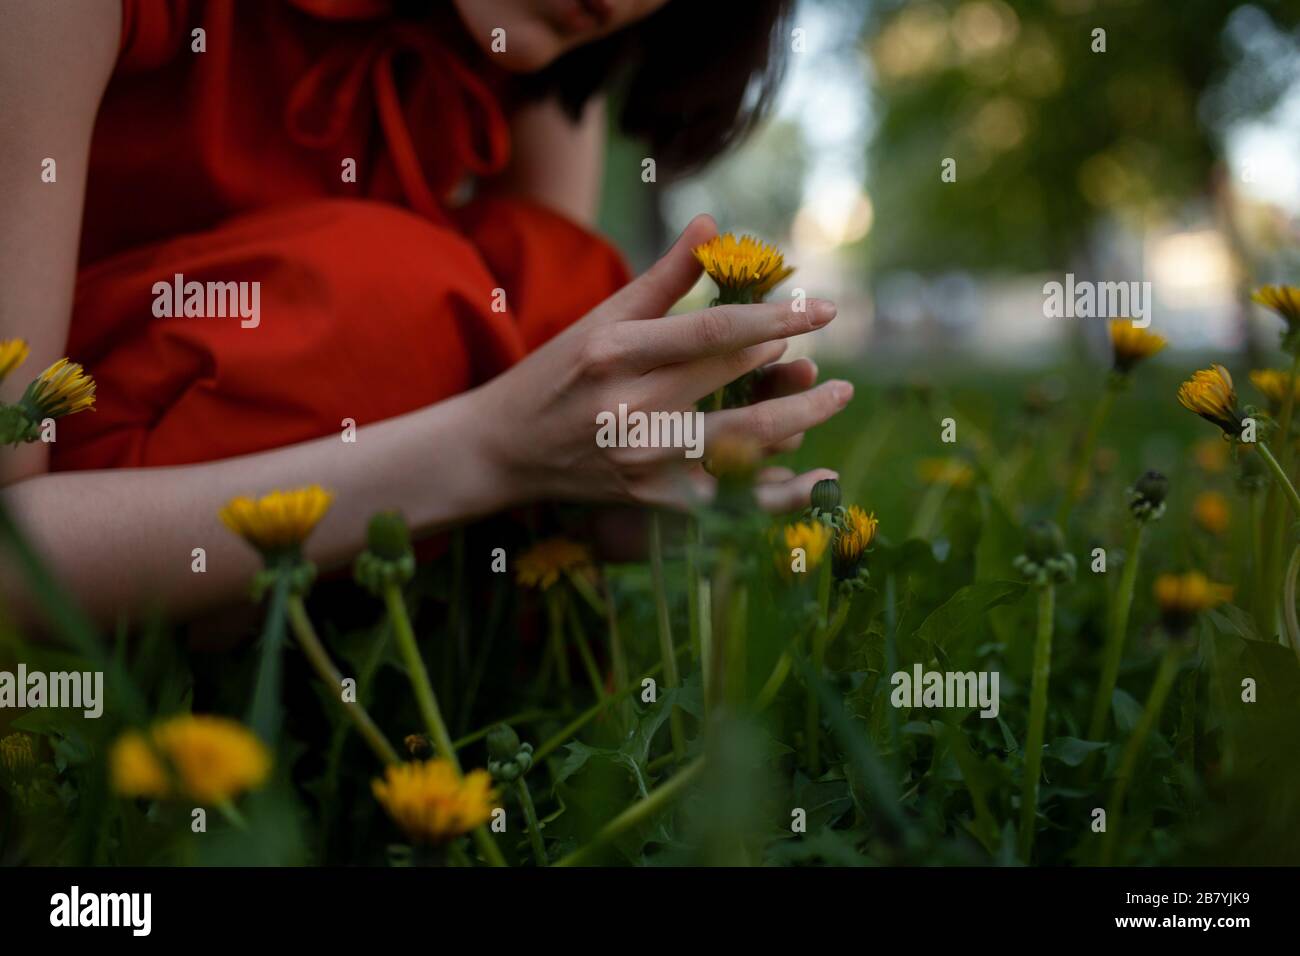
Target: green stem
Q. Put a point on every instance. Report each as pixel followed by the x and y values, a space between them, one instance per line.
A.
pixel 667 654
pixel 737 654
pixel 1037 720
pixel 928 510
pixel 812 712
pixel 1283 481
pixel 617 654
pixel 1113 653
pixel 693 586
pixel 716 663
pixel 647 807
pixel 1133 749
pixel 559 649
pixel 584 649
pixel 321 663
pixel 534 827
pixel 427 702
pixel 425 699
pixel 1288 602
pixel 236 819
pixel 1078 476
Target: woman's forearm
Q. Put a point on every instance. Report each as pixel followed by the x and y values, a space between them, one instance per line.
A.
pixel 125 538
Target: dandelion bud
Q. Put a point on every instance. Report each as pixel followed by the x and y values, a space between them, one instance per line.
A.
pixel 826 494
pixel 1147 496
pixel 388 537
pixel 1043 541
pixel 502 742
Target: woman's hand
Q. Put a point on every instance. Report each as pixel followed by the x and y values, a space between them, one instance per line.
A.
pixel 542 414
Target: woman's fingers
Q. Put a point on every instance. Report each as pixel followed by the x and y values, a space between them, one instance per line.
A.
pixel 686 382
pixel 770 422
pixel 654 292
pixel 792 494
pixel 786 378
pixel 724 328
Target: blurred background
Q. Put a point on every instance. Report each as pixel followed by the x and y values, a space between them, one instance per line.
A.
pixel 1171 157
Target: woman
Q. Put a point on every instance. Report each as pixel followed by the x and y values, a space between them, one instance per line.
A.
pixel 314 154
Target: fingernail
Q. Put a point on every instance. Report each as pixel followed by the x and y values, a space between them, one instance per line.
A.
pixel 843 391
pixel 822 312
pixel 816 369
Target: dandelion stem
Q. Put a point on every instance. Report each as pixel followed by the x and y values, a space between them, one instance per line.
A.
pixel 1133 749
pixel 321 663
pixel 1283 481
pixel 812 713
pixel 1037 720
pixel 1288 602
pixel 534 827
pixel 666 653
pixel 559 651
pixel 693 586
pixel 427 701
pixel 1078 476
pixel 617 654
pixel 1113 653
pixel 584 649
pixel 236 819
pixel 654 802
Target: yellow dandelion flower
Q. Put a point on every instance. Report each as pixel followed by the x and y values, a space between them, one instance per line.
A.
pixel 62 389
pixel 432 803
pixel 745 269
pixel 212 759
pixel 1274 384
pixel 858 522
pixel 1132 344
pixel 852 541
pixel 13 352
pixel 278 522
pixel 1182 596
pixel 952 472
pixel 542 564
pixel 1210 394
pixel 812 536
pixel 1211 455
pixel 1210 509
pixel 1282 299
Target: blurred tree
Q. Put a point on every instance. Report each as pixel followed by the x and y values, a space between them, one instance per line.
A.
pixel 1049 136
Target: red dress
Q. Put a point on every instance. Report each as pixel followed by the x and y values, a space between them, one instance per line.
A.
pixel 377 296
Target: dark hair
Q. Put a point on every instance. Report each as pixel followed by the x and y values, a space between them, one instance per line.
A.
pixel 691 79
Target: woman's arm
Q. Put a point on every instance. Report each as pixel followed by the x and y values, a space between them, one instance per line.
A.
pixel 55 60
pixel 123 539
pixel 555 161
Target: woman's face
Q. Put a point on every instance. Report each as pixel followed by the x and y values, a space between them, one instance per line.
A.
pixel 538 32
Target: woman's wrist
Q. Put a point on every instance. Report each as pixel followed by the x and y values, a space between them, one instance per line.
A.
pixel 479 473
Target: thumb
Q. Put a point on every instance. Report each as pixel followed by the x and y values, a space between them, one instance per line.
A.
pixel 656 290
